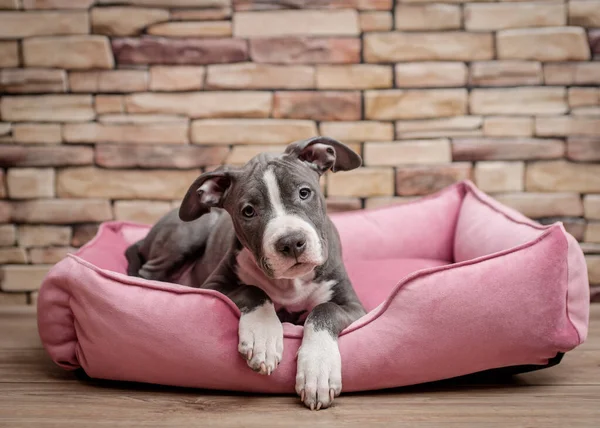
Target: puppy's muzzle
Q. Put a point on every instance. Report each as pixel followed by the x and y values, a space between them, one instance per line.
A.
pixel 291 245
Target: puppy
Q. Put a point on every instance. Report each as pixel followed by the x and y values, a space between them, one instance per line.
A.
pixel 272 249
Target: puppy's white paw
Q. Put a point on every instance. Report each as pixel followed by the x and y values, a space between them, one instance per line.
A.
pixel 261 339
pixel 319 375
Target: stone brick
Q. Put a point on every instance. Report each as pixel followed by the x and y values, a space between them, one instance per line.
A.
pixel 260 76
pixel 191 29
pixel 203 104
pixel 574 226
pixel 2 185
pixel 22 278
pixel 423 74
pixel 44 236
pixel 126 133
pixel 12 255
pixel 8 235
pixel 496 177
pixel 62 211
pixel 50 255
pixel 590 248
pixel 16 25
pixel 109 104
pixel 6 211
pixel 125 21
pixel 158 156
pixel 583 149
pixel 45 155
pixel 591 206
pixel 375 21
pixel 83 233
pixel 147 212
pixel 317 105
pixel 593 265
pixel 427 17
pixel 5 129
pixel 10 4
pixel 176 78
pixel 28 183
pixel 57 4
pixel 171 3
pixel 563 176
pixel 9 54
pixel 108 81
pixel 415 104
pixel 584 13
pixel 47 108
pixel 358 76
pixel 500 16
pixel 586 111
pixel 538 205
pixel 153 119
pixel 594 42
pixel 507 126
pixel 579 97
pixel 69 52
pixel 456 126
pixel 386 201
pixel 407 152
pixel 296 22
pixel 577 73
pixel 505 73
pixel 342 204
pixel 239 155
pixel 305 50
pixel 43 133
pixel 32 80
pixel 518 101
pixel 200 14
pixel 567 125
pixel 423 180
pixel 313 4
pixel 90 182
pixel 362 182
pixel 474 149
pixel 358 131
pixel 188 51
pixel 434 46
pixel 543 44
pixel 592 232
pixel 245 131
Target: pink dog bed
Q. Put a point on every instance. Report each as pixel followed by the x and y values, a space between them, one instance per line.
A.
pixel 454 283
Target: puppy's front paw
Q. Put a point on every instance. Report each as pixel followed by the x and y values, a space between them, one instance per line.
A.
pixel 319 375
pixel 261 339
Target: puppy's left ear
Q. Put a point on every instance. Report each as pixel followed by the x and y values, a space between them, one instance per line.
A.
pixel 208 191
pixel 324 153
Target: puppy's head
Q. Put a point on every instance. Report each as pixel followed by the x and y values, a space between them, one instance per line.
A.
pixel 276 204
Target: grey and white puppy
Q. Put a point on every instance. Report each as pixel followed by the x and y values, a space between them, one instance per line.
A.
pixel 273 251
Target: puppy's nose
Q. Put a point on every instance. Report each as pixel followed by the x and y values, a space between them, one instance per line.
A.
pixel 290 245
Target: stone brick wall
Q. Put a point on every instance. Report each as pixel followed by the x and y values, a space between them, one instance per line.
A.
pixel 110 108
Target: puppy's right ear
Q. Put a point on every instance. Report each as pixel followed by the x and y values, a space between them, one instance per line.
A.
pixel 207 191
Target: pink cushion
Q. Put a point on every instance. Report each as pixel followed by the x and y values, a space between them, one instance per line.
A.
pixel 454 283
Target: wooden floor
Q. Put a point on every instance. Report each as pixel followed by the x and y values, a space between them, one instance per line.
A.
pixel 35 393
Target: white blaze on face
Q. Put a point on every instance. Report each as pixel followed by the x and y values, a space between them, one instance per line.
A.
pixel 282 224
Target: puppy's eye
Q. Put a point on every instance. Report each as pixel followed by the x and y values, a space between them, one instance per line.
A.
pixel 248 211
pixel 304 193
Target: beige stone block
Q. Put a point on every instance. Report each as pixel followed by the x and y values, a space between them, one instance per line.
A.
pixel 109 104
pixel 538 205
pixel 358 131
pixel 125 21
pixel 584 13
pixel 147 212
pixel 32 80
pixel 497 177
pixel 357 76
pixel 386 201
pixel 43 236
pixel 127 133
pixel 108 81
pixel 6 212
pixel 567 126
pixel 83 233
pixel 23 278
pixel 563 176
pixel 343 22
pixel 361 183
pixel 457 126
pixel 8 235
pixel 586 111
pixel 338 204
pixel 50 255
pixel 34 133
pixel 543 44
pixel 318 105
pixel 57 4
pixel 55 155
pixel 260 76
pixel 428 17
pixel 505 73
pixel 375 21
pixel 29 183
pixel 16 25
pixel 246 131
pixel 427 179
pixel 203 104
pixel 2 185
pixel 423 74
pixel 12 255
pixel 590 248
pixel 200 14
pixel 593 265
pixel 62 211
pixel 513 148
pixel 500 16
pixel 508 126
pixel 407 152
pixel 518 101
pixel 583 97
pixel 191 29
pixel 176 78
pixel 90 182
pixel 10 4
pixel 239 155
pixel 574 73
pixel 434 46
pixel 68 52
pixel 584 149
pixel 415 104
pixel 5 129
pixel 172 3
pixel 9 54
pixel 305 50
pixel 141 119
pixel 11 299
pixel 592 232
pixel 591 207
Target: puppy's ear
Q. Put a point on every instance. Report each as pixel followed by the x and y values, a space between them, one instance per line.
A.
pixel 207 191
pixel 324 153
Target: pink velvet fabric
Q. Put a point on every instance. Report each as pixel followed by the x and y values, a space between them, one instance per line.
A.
pixel 454 283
